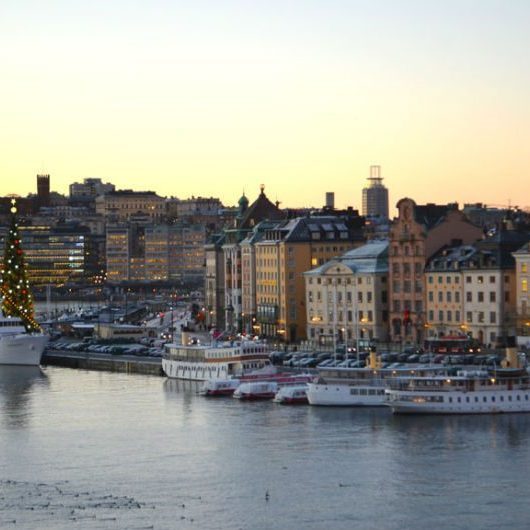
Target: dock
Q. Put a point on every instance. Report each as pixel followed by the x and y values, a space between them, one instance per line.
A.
pixel 131 364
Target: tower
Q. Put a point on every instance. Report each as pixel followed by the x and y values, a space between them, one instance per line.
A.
pixel 43 190
pixel 375 196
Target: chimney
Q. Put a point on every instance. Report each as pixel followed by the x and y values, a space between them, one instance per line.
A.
pixel 330 200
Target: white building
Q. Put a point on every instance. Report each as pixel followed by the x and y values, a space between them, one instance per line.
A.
pixel 347 297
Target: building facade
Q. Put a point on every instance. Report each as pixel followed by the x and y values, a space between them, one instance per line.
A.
pixel 347 298
pixel 415 235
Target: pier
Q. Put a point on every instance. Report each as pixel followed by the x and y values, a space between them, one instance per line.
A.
pixel 131 364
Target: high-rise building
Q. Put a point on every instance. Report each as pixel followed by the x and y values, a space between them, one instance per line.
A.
pixel 375 196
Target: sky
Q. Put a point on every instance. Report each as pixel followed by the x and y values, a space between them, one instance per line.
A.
pixel 213 98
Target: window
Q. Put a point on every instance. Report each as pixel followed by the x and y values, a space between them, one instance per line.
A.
pixel 449 316
pixel 440 316
pixel 457 316
pixel 418 306
pixel 431 296
pixel 369 296
pixel 395 269
pixel 493 297
pixel 524 285
pixel 524 267
pixel 448 296
pixel 440 279
pixel 457 297
pixel 468 279
pixel 493 317
pixel 481 317
pixel 480 279
pixel 397 306
pixel 469 317
pixel 492 279
pixel 440 296
pixel 430 279
pixel 469 296
pixel 448 279
pixel 396 285
pixel 406 286
pixel 480 296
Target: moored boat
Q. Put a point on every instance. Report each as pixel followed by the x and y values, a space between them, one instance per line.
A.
pixel 255 390
pixel 506 389
pixel 219 387
pixel 195 360
pixel 292 395
pixel 359 387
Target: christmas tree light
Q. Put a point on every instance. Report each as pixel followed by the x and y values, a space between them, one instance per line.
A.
pixel 16 297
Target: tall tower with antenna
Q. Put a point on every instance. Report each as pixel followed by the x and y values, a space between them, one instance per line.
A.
pixel 375 195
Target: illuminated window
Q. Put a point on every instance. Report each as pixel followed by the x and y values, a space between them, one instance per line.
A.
pixel 524 285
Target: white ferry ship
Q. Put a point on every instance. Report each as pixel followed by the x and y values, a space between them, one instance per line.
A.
pixel 357 387
pixel 506 389
pixel 194 361
pixel 18 347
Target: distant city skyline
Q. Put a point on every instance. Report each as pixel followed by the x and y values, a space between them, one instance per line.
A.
pixel 215 98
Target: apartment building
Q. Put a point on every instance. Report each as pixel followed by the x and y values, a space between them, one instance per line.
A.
pixel 347 297
pixel 415 235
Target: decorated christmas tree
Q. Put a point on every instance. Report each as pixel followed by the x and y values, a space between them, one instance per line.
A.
pixel 16 297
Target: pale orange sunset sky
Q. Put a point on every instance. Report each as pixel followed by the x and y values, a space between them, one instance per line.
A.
pixel 211 97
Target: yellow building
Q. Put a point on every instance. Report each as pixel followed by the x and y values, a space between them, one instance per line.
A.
pixel 285 252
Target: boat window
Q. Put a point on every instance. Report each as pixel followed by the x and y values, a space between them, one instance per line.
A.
pixel 484 399
pixel 467 399
pixel 509 398
pixel 450 400
pixel 492 398
pixel 476 399
pixel 518 397
pixel 502 398
pixel 526 397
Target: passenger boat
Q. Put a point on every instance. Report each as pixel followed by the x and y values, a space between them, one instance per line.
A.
pixel 254 390
pixel 195 361
pixel 18 347
pixel 506 389
pixel 357 387
pixel 292 395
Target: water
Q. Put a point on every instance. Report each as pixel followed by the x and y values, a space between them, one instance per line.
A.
pixel 95 450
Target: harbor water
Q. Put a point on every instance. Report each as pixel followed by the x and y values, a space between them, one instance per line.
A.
pixel 96 450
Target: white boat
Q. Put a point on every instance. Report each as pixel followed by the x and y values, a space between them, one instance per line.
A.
pixel 194 361
pixel 256 390
pixel 358 387
pixel 226 387
pixel 505 389
pixel 219 387
pixel 18 347
pixel 292 395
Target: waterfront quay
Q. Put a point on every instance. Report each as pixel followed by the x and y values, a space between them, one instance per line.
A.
pixel 131 364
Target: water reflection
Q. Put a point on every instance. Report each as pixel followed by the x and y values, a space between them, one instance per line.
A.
pixel 16 384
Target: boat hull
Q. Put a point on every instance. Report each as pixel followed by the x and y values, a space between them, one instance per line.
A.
pixel 197 371
pixel 344 395
pixel 22 349
pixel 459 402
